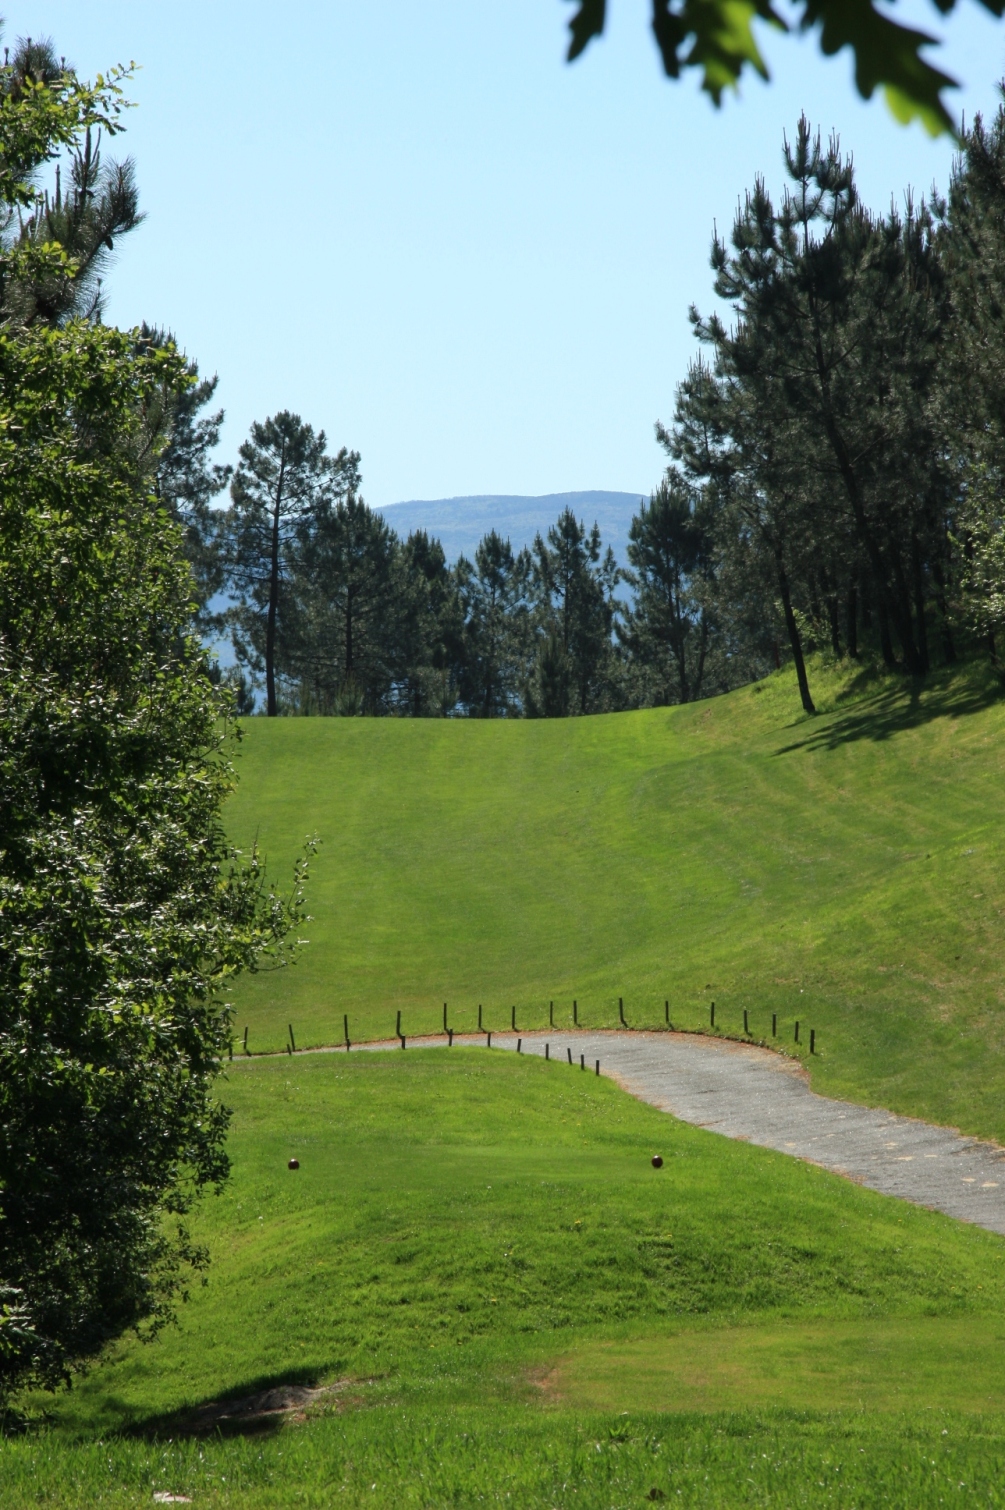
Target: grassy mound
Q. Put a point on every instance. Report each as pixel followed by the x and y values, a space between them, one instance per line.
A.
pixel 477 1246
pixel 845 871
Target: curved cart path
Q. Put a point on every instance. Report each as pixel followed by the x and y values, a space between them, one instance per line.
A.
pixel 759 1097
pixel 750 1093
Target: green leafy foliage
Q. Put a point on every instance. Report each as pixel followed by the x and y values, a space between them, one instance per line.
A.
pixel 717 37
pixel 123 911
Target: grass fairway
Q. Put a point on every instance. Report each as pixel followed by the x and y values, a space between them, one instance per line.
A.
pixel 478 1244
pixel 845 870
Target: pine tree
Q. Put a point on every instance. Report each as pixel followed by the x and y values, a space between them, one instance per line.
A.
pixel 574 586
pixel 972 242
pixel 667 629
pixel 430 629
pixel 84 217
pixel 494 591
pixel 283 474
pixel 341 648
pixel 181 439
pixel 823 400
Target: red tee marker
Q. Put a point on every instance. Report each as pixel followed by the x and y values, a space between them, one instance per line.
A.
pixel 657 1161
pixel 293 1164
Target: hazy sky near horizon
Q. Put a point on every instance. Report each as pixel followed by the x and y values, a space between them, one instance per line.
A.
pixel 418 227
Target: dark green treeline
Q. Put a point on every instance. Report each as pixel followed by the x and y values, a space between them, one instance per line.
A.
pixel 836 455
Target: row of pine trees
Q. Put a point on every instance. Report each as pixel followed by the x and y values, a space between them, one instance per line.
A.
pixel 835 469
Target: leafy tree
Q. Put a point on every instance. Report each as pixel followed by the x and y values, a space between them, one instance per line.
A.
pixel 574 587
pixel 283 474
pixel 668 627
pixel 717 37
pixel 123 912
pixel 494 592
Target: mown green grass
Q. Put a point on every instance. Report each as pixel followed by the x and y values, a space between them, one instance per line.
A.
pixel 845 871
pixel 876 1364
pixel 515 1458
pixel 468 1234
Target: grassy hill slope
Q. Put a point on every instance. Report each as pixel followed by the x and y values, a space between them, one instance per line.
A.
pixel 844 870
pixel 477 1246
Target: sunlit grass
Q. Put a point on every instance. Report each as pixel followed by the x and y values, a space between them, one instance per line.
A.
pixel 846 871
pixel 521 1309
pixel 479 1247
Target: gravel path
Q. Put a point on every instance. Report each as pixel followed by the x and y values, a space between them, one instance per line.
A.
pixel 750 1093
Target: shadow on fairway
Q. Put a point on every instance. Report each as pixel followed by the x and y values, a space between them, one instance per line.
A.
pixel 256 1406
pixel 898 708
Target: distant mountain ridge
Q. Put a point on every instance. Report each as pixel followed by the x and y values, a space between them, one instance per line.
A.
pixel 459 523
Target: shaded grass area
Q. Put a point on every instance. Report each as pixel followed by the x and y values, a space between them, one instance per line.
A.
pixel 514 1458
pixel 846 871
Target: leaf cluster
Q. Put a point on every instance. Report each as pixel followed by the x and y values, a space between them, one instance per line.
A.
pixel 717 37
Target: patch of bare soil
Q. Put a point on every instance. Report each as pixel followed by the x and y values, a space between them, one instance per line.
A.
pixel 546 1379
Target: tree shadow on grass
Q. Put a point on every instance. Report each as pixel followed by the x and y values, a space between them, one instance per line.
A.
pixel 254 1408
pixel 895 708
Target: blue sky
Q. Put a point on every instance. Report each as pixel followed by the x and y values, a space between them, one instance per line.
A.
pixel 417 226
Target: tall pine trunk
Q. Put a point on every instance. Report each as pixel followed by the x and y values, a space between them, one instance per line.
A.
pixel 832 615
pixel 696 689
pixel 348 634
pixel 851 621
pixel 885 642
pixel 945 631
pixel 270 627
pixel 793 628
pixel 919 605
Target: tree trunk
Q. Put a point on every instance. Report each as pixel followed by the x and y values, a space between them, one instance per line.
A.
pixel 696 690
pixel 885 642
pixel 945 632
pixel 851 622
pixel 793 628
pixel 919 604
pixel 832 614
pixel 680 655
pixel 891 605
pixel 270 626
